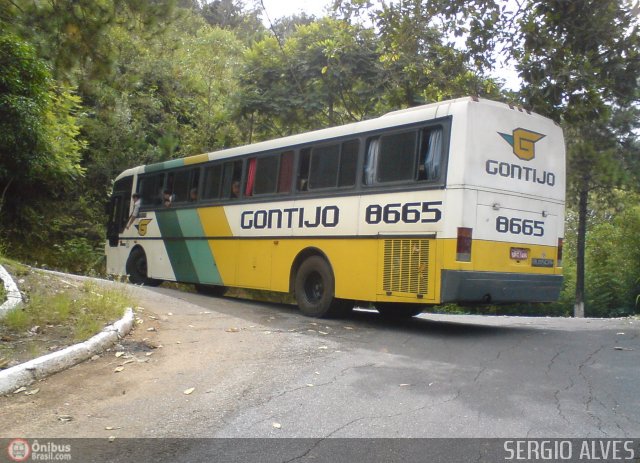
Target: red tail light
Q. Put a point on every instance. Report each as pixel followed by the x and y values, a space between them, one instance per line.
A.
pixel 560 243
pixel 463 248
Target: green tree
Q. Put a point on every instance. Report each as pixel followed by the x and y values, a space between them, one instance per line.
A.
pixel 421 66
pixel 612 256
pixel 232 15
pixel 209 61
pixel 325 73
pixel 580 62
pixel 73 35
pixel 39 147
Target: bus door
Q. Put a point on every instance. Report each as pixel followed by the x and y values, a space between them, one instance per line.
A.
pixel 118 209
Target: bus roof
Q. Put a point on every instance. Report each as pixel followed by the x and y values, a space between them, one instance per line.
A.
pixel 392 119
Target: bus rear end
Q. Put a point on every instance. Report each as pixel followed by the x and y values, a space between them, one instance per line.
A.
pixel 505 207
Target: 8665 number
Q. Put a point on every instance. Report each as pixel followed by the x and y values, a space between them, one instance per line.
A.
pixel 424 212
pixel 518 226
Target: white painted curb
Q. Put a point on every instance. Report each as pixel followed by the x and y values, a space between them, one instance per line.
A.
pixel 28 372
pixel 14 297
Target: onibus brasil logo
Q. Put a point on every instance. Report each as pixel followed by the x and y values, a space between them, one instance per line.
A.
pixel 523 142
pixel 21 449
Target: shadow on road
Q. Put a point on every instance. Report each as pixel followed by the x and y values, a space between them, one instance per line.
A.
pixel 287 317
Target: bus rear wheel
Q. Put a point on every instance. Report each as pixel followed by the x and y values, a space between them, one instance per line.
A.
pixel 137 269
pixel 315 289
pixel 398 310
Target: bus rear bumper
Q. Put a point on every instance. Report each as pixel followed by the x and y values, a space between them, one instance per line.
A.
pixel 494 287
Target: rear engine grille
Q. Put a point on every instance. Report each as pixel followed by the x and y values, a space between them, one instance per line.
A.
pixel 406 266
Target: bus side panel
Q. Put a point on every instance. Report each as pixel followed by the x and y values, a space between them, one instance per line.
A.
pixel 254 264
pixel 353 262
pixel 145 233
pixel 191 257
pixel 224 251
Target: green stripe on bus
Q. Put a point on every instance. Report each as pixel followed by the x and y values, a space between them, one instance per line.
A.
pixel 199 250
pixel 177 250
pixel 160 166
pixel 191 260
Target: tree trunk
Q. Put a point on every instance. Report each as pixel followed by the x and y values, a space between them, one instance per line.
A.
pixel 578 310
pixel 4 192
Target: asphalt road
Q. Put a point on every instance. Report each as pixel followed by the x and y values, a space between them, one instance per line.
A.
pixel 264 370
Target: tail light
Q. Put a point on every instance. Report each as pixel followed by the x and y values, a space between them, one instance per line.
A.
pixel 463 248
pixel 560 243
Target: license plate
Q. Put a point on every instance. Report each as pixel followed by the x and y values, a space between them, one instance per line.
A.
pixel 519 253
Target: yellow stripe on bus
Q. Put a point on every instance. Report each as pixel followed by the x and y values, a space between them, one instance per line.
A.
pixel 214 221
pixel 196 159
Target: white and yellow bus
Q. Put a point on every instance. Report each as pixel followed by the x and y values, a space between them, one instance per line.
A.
pixel 458 201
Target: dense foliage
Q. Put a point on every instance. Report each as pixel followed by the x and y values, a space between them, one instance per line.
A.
pixel 91 87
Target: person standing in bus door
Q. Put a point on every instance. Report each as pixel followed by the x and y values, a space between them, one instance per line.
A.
pixel 136 209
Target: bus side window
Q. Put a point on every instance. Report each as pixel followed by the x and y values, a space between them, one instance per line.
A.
pixel 371 161
pixel 303 169
pixel 180 186
pixel 194 185
pixel 150 188
pixel 250 178
pixel 231 179
pixel 348 163
pixel 286 172
pixel 430 163
pixel 397 157
pixel 266 175
pixel 324 167
pixel 212 182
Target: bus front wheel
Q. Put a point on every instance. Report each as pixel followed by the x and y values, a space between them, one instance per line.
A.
pixel 315 288
pixel 398 310
pixel 137 269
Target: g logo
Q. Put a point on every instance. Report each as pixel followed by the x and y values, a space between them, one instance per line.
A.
pixel 523 143
pixel 142 226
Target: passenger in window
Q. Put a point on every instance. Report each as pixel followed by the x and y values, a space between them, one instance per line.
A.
pixel 193 194
pixel 235 189
pixel 167 198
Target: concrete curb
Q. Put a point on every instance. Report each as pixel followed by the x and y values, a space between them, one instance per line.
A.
pixel 14 298
pixel 28 372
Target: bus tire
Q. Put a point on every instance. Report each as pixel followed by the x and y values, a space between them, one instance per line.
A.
pixel 315 289
pixel 211 290
pixel 398 310
pixel 137 269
